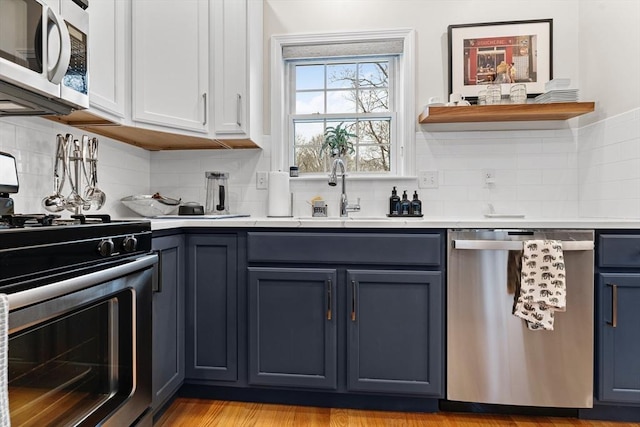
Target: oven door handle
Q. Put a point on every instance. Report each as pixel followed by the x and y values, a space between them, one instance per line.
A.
pixel 516 245
pixel 63 287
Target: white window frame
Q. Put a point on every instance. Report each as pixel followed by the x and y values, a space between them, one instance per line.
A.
pixel 404 144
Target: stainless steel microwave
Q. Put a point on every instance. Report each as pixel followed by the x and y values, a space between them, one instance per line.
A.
pixel 43 56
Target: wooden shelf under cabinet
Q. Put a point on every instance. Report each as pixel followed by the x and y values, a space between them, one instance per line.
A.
pixel 148 139
pixel 505 112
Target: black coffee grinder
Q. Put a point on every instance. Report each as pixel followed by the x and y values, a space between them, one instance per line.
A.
pixel 8 182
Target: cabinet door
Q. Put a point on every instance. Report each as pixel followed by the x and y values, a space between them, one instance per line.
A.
pixel 237 64
pixel 395 331
pixel 107 56
pixel 212 331
pixel 292 327
pixel 171 63
pixel 168 319
pixel 618 343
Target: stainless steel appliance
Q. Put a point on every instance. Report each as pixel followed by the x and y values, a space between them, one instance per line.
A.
pixel 43 56
pixel 79 342
pixel 492 357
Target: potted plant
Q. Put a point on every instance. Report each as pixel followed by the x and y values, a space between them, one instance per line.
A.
pixel 338 141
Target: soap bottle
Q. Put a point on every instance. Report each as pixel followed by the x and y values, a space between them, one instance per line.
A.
pixel 405 204
pixel 416 205
pixel 394 203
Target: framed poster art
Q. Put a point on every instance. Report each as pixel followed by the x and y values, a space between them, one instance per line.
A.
pixel 500 52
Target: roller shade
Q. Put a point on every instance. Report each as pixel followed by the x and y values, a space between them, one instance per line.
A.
pixel 325 50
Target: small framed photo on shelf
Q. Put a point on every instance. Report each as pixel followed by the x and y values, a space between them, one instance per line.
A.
pixel 500 52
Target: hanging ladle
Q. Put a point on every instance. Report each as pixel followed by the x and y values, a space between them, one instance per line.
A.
pixel 56 202
pixel 74 200
pixel 95 196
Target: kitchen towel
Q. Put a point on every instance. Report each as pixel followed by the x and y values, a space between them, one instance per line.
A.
pixel 5 420
pixel 279 203
pixel 542 284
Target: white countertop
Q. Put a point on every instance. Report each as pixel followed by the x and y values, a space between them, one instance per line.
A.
pixel 384 222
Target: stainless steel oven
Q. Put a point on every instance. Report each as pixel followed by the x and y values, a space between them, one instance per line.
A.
pixel 43 56
pixel 79 344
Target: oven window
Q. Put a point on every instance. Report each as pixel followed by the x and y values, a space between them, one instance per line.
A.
pixel 21 33
pixel 65 368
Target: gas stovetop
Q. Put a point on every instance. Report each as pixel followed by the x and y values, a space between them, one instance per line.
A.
pixel 47 220
pixel 38 245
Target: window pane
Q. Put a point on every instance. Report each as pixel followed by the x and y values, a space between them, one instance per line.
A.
pixel 308 133
pixel 309 103
pixel 307 158
pixel 309 77
pixel 375 74
pixel 341 101
pixel 374 131
pixel 341 76
pixel 373 101
pixel 373 158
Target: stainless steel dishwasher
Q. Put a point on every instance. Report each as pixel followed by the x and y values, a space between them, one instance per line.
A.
pixel 492 357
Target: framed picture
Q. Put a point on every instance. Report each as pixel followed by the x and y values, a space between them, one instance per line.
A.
pixel 500 52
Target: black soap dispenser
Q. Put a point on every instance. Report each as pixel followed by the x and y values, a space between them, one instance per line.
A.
pixel 394 203
pixel 405 204
pixel 416 205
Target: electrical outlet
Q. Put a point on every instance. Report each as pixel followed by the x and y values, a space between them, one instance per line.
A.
pixel 488 177
pixel 261 180
pixel 428 179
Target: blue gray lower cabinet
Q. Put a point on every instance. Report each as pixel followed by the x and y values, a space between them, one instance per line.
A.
pixel 619 333
pixel 211 307
pixel 168 319
pixel 395 335
pixel 292 327
pixel 334 313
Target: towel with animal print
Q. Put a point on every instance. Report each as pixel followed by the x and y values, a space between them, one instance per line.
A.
pixel 542 284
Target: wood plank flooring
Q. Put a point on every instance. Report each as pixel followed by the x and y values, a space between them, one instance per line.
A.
pixel 187 412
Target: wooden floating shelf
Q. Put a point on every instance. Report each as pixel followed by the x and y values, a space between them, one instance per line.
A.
pixel 505 112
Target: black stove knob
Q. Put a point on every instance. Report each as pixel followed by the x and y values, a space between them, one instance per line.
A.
pixel 130 244
pixel 105 247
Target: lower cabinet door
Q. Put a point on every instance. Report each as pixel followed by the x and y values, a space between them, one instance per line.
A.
pixel 212 309
pixel 168 319
pixel 292 327
pixel 618 331
pixel 395 331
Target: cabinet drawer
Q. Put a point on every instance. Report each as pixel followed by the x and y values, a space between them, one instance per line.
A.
pixel 345 248
pixel 619 250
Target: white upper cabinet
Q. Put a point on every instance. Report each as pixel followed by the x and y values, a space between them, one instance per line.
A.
pixel 237 69
pixel 108 44
pixel 170 56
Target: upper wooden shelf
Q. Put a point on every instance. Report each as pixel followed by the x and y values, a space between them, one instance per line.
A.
pixel 505 112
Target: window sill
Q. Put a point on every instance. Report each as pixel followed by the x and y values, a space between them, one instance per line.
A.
pixel 359 177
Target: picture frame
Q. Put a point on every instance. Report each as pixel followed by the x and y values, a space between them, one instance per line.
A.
pixel 479 53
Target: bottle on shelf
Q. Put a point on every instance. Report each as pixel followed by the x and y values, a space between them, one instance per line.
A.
pixel 394 203
pixel 405 204
pixel 416 205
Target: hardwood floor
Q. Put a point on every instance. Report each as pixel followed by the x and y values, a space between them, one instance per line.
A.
pixel 188 412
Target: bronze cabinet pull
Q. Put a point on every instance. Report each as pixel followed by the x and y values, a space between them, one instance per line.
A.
pixel 329 300
pixel 353 300
pixel 614 305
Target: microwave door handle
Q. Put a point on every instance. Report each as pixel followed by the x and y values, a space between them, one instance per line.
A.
pixel 57 71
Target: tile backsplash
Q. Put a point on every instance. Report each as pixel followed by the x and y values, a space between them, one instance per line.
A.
pixel 122 169
pixel 593 171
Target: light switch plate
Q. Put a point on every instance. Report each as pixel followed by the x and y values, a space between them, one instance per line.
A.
pixel 428 179
pixel 261 180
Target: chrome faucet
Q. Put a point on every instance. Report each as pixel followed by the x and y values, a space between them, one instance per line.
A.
pixel 345 207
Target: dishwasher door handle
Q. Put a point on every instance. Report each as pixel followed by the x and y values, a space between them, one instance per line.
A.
pixel 516 245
